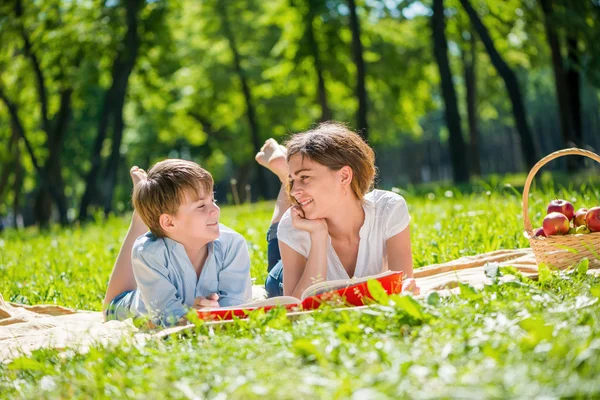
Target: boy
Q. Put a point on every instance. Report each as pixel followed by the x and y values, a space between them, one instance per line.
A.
pixel 186 260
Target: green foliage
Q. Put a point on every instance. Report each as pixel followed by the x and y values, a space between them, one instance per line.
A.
pixel 184 97
pixel 516 339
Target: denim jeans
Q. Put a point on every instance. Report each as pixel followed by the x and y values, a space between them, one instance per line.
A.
pixel 119 307
pixel 274 282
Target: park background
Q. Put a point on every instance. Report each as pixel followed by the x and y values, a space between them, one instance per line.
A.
pixel 444 90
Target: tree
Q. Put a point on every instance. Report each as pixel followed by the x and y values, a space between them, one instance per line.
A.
pixel 562 96
pixel 50 180
pixel 127 62
pixel 469 58
pixel 460 168
pixel 512 86
pixel 250 109
pixel 314 47
pixel 566 73
pixel 112 106
pixel 357 51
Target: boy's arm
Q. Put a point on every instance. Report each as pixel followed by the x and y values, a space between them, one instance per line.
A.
pixel 158 293
pixel 235 286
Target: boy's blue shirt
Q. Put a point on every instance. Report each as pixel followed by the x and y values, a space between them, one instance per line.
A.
pixel 166 280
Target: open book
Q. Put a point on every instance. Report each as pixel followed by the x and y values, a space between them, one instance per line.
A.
pixel 353 292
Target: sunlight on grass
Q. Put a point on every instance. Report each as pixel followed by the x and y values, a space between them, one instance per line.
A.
pixel 520 339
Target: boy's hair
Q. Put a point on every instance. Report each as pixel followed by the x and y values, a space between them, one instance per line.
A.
pixel 164 190
pixel 334 145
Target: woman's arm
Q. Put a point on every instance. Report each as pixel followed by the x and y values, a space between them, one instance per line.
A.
pixel 399 255
pixel 299 272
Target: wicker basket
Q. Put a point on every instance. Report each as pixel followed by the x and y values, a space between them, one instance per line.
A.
pixel 561 251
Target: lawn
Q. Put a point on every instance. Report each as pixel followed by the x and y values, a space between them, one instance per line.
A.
pixel 521 339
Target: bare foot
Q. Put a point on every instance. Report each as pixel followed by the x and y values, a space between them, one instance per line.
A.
pixel 137 175
pixel 273 156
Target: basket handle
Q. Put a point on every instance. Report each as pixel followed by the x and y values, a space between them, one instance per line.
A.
pixel 560 153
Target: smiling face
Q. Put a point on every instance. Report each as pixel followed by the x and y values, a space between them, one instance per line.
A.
pixel 196 221
pixel 315 187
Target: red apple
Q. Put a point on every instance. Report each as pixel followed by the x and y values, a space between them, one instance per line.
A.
pixel 580 217
pixel 539 232
pixel 592 219
pixel 557 223
pixel 563 207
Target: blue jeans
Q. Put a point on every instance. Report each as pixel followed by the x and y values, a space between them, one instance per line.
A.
pixel 274 282
pixel 118 308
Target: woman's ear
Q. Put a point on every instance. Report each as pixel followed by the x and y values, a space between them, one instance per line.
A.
pixel 346 175
pixel 166 222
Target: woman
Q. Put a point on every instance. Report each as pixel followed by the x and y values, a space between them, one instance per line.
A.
pixel 337 227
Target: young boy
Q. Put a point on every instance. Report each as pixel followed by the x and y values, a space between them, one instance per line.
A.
pixel 186 260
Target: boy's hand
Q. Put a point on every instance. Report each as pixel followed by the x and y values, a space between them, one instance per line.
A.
pixel 206 302
pixel 410 285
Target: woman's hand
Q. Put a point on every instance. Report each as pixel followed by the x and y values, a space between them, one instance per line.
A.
pixel 311 226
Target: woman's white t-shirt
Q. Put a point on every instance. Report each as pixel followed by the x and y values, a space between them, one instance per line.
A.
pixel 386 215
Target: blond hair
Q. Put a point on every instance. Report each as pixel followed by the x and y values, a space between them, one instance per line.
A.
pixel 164 190
pixel 334 145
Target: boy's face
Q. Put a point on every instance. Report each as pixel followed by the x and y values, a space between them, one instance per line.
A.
pixel 197 220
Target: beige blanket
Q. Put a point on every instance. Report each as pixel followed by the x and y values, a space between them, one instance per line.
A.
pixel 27 328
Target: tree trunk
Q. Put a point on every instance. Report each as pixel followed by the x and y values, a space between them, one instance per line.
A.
pixel 115 155
pixel 471 89
pixel 10 163
pixel 17 185
pixel 573 88
pixel 42 204
pixel 314 47
pixel 250 111
pixel 460 169
pixel 511 83
pixel 5 175
pixel 39 75
pixel 53 165
pixel 18 126
pixel 559 73
pixel 112 106
pixel 49 174
pixel 91 184
pixel 361 91
pixel 56 181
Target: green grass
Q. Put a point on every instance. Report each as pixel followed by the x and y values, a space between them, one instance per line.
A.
pixel 523 339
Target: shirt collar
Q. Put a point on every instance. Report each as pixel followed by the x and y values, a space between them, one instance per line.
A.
pixel 173 244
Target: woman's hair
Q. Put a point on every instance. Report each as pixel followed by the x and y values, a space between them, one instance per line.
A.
pixel 334 145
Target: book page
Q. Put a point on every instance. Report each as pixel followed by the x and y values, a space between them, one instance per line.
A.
pixel 328 286
pixel 273 301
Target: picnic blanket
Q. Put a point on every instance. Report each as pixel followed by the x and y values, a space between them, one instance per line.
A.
pixel 24 329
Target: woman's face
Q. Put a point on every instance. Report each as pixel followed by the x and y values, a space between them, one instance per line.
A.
pixel 316 188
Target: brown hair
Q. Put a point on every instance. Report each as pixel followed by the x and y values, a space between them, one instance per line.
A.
pixel 164 190
pixel 334 145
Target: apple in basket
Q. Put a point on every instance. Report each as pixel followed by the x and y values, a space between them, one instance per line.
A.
pixel 580 217
pixel 592 219
pixel 539 232
pixel 557 223
pixel 562 206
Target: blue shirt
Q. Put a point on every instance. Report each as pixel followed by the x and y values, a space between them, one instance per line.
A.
pixel 166 279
